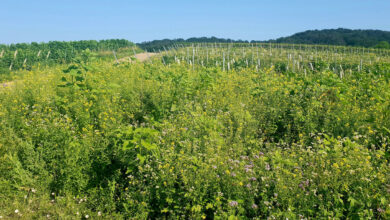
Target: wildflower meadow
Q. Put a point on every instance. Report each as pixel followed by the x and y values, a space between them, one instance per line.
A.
pixel 208 131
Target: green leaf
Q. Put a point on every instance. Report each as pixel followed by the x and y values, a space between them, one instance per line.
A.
pixel 125 145
pixel 173 108
pixel 352 202
pixel 141 158
pixel 232 217
pixel 386 129
pixel 113 86
pixel 148 146
pixel 79 78
pixel 383 201
pixel 74 73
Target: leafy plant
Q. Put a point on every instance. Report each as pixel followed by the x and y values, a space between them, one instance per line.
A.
pixel 76 72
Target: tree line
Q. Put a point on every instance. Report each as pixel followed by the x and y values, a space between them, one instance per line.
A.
pixel 341 37
pixel 156 45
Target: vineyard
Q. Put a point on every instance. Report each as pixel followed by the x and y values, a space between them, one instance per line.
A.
pixel 196 131
pixel 24 56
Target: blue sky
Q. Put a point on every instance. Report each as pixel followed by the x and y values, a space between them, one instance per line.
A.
pixel 140 20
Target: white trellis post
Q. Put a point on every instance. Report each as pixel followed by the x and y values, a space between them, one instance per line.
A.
pixel 223 68
pixel 15 54
pixel 115 56
pixel 193 57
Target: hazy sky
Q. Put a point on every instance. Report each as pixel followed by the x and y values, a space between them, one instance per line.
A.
pixel 46 20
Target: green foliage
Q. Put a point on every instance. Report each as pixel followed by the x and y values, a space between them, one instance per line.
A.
pixel 154 141
pixel 165 44
pixel 77 71
pixel 340 36
pixel 25 56
pixel 383 45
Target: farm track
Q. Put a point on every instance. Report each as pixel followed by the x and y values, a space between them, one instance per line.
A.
pixel 141 57
pixel 7 84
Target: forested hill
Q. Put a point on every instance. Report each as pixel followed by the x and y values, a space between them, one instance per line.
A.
pixel 341 36
pixel 156 45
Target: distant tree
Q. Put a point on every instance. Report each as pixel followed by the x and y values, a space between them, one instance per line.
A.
pixel 383 44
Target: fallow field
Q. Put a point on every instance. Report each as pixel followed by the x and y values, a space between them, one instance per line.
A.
pixel 203 131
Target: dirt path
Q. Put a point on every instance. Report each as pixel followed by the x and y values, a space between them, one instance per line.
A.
pixel 144 56
pixel 6 84
pixel 140 57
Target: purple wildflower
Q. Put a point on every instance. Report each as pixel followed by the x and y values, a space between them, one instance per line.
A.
pixel 249 166
pixel 244 157
pixel 233 203
pixel 304 184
